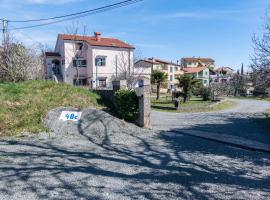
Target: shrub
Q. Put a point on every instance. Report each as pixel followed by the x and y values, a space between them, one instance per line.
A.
pixel 205 93
pixel 127 105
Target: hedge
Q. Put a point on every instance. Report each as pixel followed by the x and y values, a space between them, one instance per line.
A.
pixel 127 105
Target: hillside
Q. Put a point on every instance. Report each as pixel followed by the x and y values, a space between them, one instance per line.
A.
pixel 23 105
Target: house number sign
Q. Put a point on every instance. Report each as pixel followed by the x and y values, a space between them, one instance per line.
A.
pixel 70 116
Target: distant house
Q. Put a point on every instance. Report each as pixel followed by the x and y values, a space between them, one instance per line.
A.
pixel 198 62
pixel 200 68
pixel 143 68
pixel 222 75
pixel 173 70
pixel 92 61
pixel 199 73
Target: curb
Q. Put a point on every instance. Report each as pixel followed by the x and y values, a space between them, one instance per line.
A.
pixel 225 139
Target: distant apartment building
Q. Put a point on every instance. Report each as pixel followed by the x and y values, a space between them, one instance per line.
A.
pixel 199 73
pixel 222 75
pixel 198 62
pixel 200 68
pixel 173 70
pixel 92 61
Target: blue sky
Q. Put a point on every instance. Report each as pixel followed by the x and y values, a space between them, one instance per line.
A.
pixel 168 29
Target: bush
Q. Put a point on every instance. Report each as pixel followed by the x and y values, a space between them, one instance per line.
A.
pixel 127 105
pixel 196 90
pixel 205 93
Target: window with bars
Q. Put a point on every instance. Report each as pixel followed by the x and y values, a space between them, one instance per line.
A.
pixel 79 63
pixel 80 82
pixel 102 83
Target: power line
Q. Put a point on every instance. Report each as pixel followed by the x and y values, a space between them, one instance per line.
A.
pixel 28 36
pixel 80 16
pixel 111 6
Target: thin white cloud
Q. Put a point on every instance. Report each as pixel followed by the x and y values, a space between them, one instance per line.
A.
pixel 195 14
pixel 152 46
pixel 203 14
pixel 52 1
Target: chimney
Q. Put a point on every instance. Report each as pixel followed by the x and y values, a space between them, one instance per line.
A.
pixel 97 35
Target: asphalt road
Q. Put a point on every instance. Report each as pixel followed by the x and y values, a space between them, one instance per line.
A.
pixel 244 120
pixel 130 164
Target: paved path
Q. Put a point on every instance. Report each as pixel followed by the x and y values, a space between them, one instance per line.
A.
pixel 128 164
pixel 244 120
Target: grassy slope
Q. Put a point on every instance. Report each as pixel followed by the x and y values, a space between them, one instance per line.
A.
pixel 194 105
pixel 23 105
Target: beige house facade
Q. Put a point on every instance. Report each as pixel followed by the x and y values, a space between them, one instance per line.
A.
pixel 197 62
pixel 92 61
pixel 173 70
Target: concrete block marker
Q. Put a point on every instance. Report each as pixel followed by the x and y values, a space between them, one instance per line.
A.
pixel 89 122
pixel 70 116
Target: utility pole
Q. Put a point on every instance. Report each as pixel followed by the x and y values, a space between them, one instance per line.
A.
pixel 97 75
pixel 4 24
pixel 116 70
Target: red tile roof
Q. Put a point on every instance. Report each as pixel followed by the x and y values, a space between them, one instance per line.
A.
pixel 92 40
pixel 163 61
pixel 191 70
pixel 148 61
pixel 198 59
pixel 224 69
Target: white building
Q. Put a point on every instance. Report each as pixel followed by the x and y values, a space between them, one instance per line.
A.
pixel 89 60
pixel 198 62
pixel 222 75
pixel 172 70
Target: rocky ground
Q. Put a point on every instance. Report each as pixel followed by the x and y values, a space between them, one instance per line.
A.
pixel 105 158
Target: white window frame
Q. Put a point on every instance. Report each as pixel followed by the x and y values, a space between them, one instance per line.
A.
pixel 101 57
pixel 80 59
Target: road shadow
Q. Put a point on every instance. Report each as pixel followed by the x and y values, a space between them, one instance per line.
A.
pixel 251 128
pixel 118 163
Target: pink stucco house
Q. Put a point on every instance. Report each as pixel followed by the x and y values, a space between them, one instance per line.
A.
pixel 92 61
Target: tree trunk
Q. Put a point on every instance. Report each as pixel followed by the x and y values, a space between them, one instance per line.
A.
pixel 185 95
pixel 158 90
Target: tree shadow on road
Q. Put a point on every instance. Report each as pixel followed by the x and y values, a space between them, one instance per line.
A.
pixel 103 163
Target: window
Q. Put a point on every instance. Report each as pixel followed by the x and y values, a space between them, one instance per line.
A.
pixel 171 78
pixel 102 83
pixel 79 46
pixel 100 61
pixel 79 63
pixel 206 73
pixel 171 69
pixel 80 82
pixel 205 81
pixel 63 62
pixel 176 68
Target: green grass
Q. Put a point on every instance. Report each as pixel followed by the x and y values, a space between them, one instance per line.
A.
pixel 23 105
pixel 194 105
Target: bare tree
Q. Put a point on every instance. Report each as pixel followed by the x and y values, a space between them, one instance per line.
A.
pixel 218 89
pixel 239 84
pixel 126 70
pixel 19 63
pixel 261 58
pixel 79 45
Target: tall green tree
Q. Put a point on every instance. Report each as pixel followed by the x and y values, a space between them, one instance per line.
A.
pixel 158 77
pixel 187 82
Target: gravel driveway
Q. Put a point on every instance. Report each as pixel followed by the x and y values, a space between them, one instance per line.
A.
pixel 129 164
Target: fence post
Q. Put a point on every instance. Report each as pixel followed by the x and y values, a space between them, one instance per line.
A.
pixel 143 93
